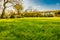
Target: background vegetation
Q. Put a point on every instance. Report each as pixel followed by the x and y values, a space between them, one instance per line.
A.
pixel 30 14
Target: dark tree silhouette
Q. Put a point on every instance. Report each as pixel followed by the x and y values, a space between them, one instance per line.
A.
pixel 4 5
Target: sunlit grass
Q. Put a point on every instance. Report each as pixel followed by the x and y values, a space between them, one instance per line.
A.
pixel 40 28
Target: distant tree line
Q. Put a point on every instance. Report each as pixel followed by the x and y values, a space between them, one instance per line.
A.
pixel 30 14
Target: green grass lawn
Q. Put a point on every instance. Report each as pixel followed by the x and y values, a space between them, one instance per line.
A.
pixel 30 29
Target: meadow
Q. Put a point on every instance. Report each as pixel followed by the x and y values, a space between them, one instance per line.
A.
pixel 30 28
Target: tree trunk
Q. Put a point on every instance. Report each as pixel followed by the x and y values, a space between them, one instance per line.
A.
pixel 18 12
pixel 3 12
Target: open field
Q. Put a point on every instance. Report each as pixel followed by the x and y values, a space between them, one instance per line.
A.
pixel 30 28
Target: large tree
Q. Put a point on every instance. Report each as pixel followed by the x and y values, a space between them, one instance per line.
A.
pixel 17 4
pixel 4 5
pixel 18 8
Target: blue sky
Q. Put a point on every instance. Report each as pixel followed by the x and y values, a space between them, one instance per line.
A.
pixel 43 4
pixel 46 2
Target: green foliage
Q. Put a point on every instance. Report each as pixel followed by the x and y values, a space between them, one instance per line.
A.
pixel 37 14
pixel 58 14
pixel 18 7
pixel 30 29
pixel 49 15
pixel 32 14
pixel 12 16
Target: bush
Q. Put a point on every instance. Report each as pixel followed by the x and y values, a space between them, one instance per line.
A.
pixel 57 14
pixel 49 15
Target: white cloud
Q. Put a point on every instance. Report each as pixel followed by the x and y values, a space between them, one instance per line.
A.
pixel 57 4
pixel 29 3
